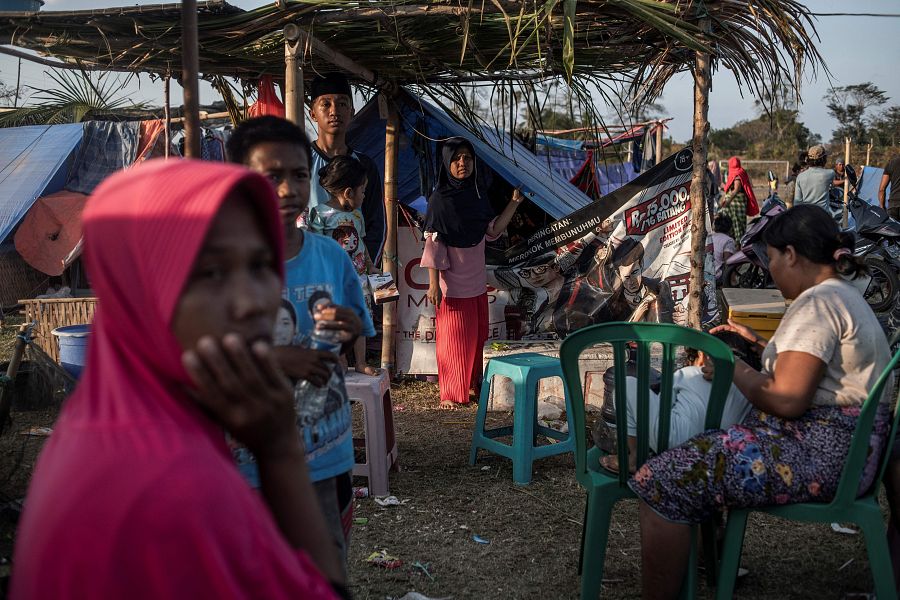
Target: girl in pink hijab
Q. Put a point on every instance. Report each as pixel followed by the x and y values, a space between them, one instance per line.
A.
pixel 739 202
pixel 135 494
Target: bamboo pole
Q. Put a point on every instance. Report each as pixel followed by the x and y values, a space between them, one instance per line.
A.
pixel 168 113
pixel 6 386
pixel 293 75
pixel 205 116
pixel 389 256
pixel 698 200
pixel 343 61
pixel 846 181
pixel 659 134
pixel 18 84
pixel 190 69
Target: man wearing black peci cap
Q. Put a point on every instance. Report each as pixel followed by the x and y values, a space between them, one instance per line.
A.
pixel 331 108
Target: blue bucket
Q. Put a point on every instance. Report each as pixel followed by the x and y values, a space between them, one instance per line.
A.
pixel 73 343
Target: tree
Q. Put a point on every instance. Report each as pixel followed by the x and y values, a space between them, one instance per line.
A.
pixel 648 112
pixel 728 141
pixel 778 134
pixel 884 130
pixel 76 97
pixel 6 93
pixel 849 105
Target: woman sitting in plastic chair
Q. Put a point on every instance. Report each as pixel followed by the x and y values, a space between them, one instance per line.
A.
pixel 826 354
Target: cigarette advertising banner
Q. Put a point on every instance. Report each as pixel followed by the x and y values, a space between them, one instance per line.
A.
pixel 625 257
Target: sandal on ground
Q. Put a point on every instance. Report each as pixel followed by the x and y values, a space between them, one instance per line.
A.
pixel 610 462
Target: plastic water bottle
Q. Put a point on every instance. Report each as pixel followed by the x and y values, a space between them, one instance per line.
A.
pixel 309 399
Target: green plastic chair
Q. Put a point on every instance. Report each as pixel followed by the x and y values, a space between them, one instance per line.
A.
pixel 845 507
pixel 604 488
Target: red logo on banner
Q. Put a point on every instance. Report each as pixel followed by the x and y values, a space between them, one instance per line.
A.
pixel 657 211
pixel 679 285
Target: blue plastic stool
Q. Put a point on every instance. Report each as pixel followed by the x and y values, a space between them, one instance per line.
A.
pixel 525 370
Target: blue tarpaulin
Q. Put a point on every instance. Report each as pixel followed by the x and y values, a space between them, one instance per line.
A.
pixel 869 182
pixel 106 148
pixel 423 123
pixel 33 162
pixel 564 162
pixel 559 143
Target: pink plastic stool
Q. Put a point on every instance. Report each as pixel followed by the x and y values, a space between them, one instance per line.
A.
pixel 378 421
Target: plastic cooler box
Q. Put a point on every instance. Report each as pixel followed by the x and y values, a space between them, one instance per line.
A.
pixel 761 310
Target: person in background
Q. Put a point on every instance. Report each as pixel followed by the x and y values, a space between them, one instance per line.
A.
pixel 691 388
pixel 344 178
pixel 891 177
pixel 739 201
pixel 314 265
pixel 458 221
pixel 790 184
pixel 840 173
pixel 814 184
pixel 714 185
pixel 723 244
pixel 817 370
pixel 331 109
pixel 135 494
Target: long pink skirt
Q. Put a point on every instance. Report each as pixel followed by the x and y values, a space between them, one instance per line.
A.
pixel 461 331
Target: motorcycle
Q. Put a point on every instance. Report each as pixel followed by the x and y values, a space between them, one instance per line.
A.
pixel 878 245
pixel 749 266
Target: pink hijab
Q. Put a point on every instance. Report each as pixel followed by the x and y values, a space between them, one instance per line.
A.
pixel 736 171
pixel 135 494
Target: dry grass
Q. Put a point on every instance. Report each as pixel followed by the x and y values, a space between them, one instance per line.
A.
pixel 8 336
pixel 535 530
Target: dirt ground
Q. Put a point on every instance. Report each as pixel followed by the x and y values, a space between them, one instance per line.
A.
pixel 533 531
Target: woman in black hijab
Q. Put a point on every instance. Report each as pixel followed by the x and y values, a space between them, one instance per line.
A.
pixel 458 220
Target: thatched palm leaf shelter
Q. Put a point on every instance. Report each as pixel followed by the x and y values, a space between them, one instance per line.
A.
pixel 641 42
pixel 628 48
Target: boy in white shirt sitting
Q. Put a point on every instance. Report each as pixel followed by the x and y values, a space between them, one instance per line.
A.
pixel 690 395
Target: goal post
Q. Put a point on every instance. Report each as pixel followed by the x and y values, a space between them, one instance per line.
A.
pixel 758 168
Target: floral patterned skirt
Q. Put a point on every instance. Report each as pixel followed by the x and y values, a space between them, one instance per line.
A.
pixel 763 461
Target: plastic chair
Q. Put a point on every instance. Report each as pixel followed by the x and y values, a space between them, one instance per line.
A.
pixel 525 370
pixel 604 488
pixel 845 507
pixel 378 420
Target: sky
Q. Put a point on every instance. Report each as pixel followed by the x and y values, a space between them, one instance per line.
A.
pixel 855 49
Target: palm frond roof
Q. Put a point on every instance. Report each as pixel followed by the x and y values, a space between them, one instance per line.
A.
pixel 639 44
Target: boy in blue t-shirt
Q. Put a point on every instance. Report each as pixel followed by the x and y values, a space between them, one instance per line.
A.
pixel 281 151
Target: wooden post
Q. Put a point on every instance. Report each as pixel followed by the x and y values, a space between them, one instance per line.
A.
pixel 659 135
pixel 869 147
pixel 18 85
pixel 389 255
pixel 12 370
pixel 293 75
pixel 342 61
pixel 698 187
pixel 846 180
pixel 167 112
pixel 190 72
